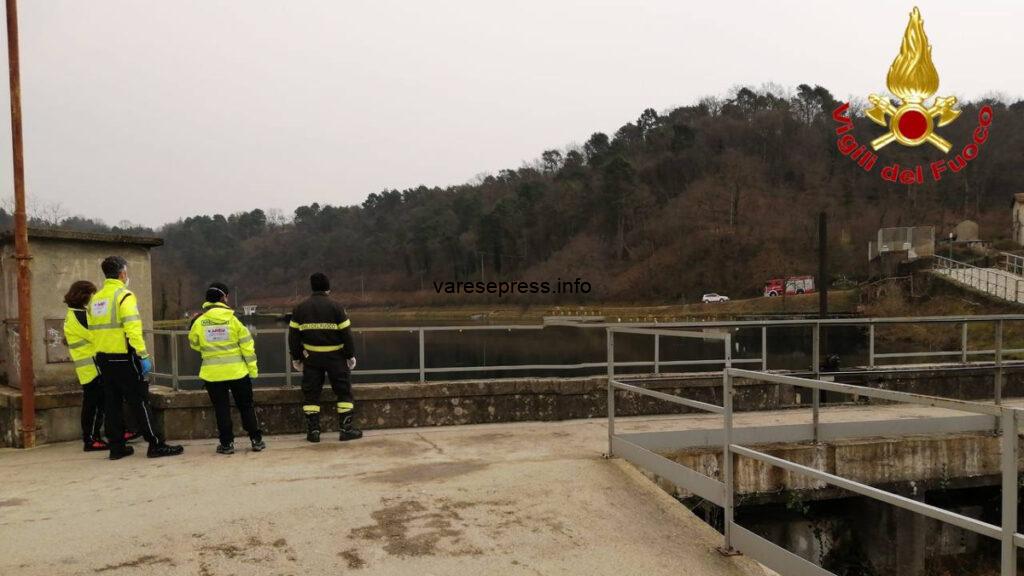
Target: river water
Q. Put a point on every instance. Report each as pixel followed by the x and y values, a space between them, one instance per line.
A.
pixel 788 348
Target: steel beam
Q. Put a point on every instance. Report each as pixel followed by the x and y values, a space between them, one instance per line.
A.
pixel 610 342
pixel 906 397
pixel 959 520
pixel 666 397
pixel 727 459
pixel 26 366
pixel 1008 465
pixel 774 557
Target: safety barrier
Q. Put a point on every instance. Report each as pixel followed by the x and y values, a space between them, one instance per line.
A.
pixel 640 449
pixel 964 356
pixel 1002 283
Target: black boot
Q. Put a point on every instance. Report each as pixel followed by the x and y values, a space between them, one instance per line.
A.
pixel 312 427
pixel 346 430
pixel 162 449
pixel 118 451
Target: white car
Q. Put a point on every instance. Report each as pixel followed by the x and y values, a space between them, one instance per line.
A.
pixel 713 298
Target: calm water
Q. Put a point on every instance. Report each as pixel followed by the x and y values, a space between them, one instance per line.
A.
pixel 788 348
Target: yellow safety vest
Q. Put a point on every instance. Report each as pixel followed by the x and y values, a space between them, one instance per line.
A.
pixel 80 347
pixel 114 320
pixel 227 347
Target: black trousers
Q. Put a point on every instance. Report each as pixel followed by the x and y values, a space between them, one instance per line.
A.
pixel 313 382
pixel 92 410
pixel 220 395
pixel 123 384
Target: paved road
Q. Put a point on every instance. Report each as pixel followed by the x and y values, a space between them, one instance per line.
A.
pixel 502 499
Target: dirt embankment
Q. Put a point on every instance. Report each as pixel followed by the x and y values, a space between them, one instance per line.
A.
pixel 844 302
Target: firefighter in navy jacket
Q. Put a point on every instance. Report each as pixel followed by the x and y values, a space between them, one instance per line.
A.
pixel 321 346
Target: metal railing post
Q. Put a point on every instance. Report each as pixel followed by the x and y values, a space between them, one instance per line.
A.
pixel 610 337
pixel 657 354
pixel 764 348
pixel 423 357
pixel 999 362
pixel 174 362
pixel 815 394
pixel 963 343
pixel 871 345
pixel 287 362
pixel 727 459
pixel 1008 467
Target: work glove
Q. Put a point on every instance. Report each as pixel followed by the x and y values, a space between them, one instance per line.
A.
pixel 147 365
pixel 297 365
pixel 351 363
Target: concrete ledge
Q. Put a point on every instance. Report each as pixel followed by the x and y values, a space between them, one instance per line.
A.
pixel 188 415
pixel 873 461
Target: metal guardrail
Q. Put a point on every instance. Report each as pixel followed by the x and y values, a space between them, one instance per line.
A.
pixel 1013 263
pixel 706 330
pixel 722 492
pixel 1002 283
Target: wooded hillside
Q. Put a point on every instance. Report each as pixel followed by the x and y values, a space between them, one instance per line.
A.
pixel 718 196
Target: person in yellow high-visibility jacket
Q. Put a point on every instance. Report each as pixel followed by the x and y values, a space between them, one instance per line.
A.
pixel 79 343
pixel 116 330
pixel 229 365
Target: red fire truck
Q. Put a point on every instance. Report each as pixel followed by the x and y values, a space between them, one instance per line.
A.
pixel 789 286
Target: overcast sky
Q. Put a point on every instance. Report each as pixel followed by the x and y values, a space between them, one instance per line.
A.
pixel 154 110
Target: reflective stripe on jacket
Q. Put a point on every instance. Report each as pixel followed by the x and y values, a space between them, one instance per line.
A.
pixel 80 346
pixel 320 330
pixel 114 320
pixel 227 347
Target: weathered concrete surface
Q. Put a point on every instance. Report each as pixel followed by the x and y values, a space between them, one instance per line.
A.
pixel 188 414
pixel 874 461
pixel 941 459
pixel 500 499
pixel 60 257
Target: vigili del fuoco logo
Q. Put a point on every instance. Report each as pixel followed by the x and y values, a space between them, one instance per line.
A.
pixel 910 120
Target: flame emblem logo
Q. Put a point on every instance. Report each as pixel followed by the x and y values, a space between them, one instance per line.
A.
pixel 913 79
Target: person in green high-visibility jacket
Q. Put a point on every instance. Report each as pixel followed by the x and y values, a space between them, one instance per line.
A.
pixel 82 352
pixel 229 365
pixel 115 327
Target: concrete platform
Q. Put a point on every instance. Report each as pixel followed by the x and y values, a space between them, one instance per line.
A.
pixel 495 499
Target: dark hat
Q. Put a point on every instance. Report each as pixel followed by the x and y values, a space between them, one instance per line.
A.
pixel 319 282
pixel 216 292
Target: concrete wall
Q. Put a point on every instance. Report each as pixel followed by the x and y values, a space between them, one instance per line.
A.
pixel 56 263
pixel 188 414
pixel 874 461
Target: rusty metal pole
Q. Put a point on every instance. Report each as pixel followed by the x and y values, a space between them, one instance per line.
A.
pixel 26 371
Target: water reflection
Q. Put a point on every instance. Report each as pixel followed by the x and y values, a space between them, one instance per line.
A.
pixel 787 348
